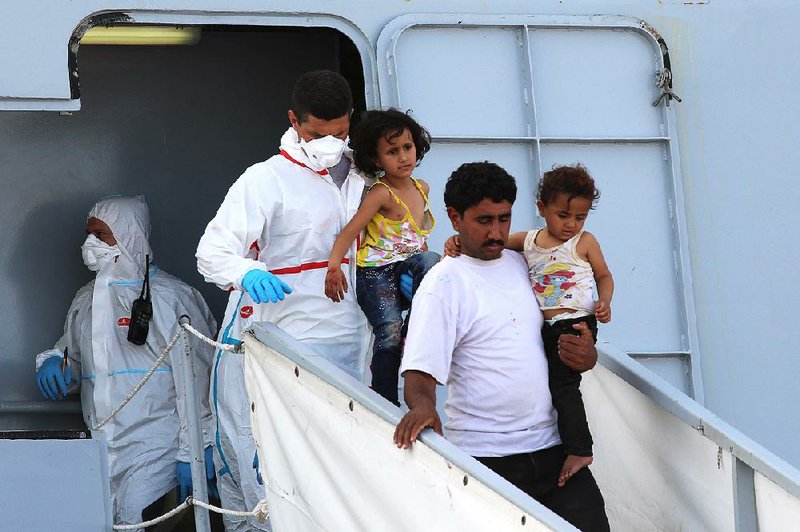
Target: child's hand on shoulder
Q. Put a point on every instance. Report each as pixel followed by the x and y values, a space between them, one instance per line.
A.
pixel 602 310
pixel 335 284
pixel 452 246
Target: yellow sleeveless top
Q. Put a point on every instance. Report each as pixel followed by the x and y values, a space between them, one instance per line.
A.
pixel 388 241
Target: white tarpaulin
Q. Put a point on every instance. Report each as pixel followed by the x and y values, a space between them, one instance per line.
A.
pixel 329 463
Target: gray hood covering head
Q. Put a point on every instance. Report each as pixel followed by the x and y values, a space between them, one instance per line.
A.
pixel 129 220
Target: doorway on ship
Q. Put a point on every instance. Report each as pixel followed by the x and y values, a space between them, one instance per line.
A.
pixel 181 123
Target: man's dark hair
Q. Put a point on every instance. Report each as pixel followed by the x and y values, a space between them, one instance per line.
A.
pixel 574 181
pixel 388 124
pixel 322 93
pixel 471 183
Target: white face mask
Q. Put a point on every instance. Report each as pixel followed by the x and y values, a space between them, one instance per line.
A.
pixel 323 153
pixel 97 253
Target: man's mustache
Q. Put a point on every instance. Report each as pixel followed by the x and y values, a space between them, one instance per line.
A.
pixel 493 243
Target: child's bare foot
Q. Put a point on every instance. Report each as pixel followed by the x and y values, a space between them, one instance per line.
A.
pixel 572 465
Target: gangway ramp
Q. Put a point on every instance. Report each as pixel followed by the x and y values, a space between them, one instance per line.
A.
pixel 662 461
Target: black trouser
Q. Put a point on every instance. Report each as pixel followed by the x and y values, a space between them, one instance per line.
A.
pixel 579 501
pixel 565 385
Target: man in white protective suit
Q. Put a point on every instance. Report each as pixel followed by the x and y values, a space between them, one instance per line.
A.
pixel 148 445
pixel 269 245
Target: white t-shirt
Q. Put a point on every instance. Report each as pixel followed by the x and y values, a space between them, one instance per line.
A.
pixel 476 326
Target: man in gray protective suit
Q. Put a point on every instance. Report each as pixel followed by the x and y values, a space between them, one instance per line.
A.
pixel 148 446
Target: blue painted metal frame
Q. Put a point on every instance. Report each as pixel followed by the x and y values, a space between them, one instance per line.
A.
pixel 308 360
pixel 744 507
pixel 390 95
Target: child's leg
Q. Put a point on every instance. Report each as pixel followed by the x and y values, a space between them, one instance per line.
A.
pixel 379 296
pixel 417 265
pixel 565 390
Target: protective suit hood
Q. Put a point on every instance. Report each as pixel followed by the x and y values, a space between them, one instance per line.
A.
pixel 129 219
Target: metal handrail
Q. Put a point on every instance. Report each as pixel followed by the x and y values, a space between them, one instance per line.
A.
pixel 744 448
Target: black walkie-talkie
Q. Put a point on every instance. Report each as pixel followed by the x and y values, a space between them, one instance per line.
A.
pixel 141 310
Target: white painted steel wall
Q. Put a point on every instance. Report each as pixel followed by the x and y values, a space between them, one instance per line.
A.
pixel 737 131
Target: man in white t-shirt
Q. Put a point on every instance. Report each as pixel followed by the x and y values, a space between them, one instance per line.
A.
pixel 476 326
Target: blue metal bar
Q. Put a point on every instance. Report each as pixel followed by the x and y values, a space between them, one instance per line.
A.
pixel 657 354
pixel 191 408
pixel 550 140
pixel 40 407
pixel 744 508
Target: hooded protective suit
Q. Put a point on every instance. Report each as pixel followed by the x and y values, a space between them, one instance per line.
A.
pixel 283 217
pixel 148 436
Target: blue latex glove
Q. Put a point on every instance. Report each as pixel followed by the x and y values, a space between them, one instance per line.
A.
pixel 52 382
pixel 255 466
pixel 407 285
pixel 265 287
pixel 211 475
pixel 183 473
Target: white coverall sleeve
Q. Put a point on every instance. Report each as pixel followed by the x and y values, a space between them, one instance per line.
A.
pixel 242 219
pixel 78 311
pixel 202 355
